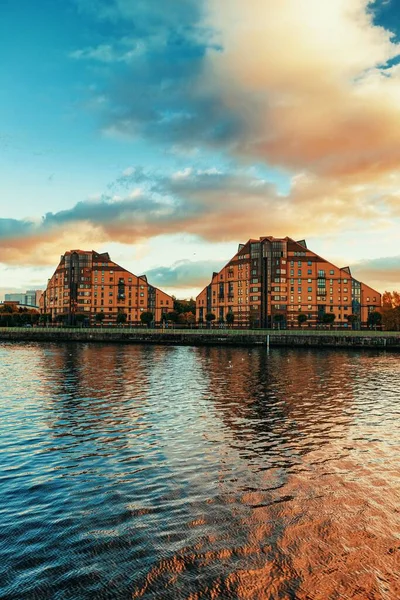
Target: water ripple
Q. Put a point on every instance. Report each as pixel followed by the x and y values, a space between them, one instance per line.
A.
pixel 198 473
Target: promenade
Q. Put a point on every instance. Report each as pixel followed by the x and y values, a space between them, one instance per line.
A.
pixel 206 337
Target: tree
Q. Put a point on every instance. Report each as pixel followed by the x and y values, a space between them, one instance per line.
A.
pixel 44 318
pixel 374 319
pixel 121 318
pixel 99 318
pixel 79 318
pixel 7 308
pixel 186 318
pixel 352 320
pixel 60 318
pixel 210 317
pixel 391 299
pixel 301 319
pixel 147 318
pixel 279 319
pixel 230 317
pixel 5 319
pixel 391 311
pixel 26 318
pixel 184 306
pixel 329 319
pixel 16 319
pixel 173 316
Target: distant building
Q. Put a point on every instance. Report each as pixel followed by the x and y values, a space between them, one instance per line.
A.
pixel 28 298
pixel 88 283
pixel 270 281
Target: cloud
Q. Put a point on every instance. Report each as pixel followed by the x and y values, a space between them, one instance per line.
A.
pixel 14 228
pixel 383 272
pixel 213 204
pixel 184 274
pixel 301 85
pixel 155 89
pixel 309 87
pixel 319 94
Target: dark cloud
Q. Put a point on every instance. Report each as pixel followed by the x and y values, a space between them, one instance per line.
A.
pixel 385 269
pixel 11 228
pixel 104 212
pixel 184 274
pixel 206 204
pixel 156 53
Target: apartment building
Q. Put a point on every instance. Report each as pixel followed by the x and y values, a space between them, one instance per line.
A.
pixel 88 283
pixel 270 281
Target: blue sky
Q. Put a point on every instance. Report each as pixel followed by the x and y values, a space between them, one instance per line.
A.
pixel 167 133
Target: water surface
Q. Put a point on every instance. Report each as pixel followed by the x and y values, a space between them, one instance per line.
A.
pixel 198 473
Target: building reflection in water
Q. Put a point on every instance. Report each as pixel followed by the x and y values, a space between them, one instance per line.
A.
pixel 305 513
pixel 222 473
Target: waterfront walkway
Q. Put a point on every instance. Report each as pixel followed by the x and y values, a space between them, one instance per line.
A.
pixel 214 336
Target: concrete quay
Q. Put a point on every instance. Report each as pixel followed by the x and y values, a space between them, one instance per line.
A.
pixel 207 337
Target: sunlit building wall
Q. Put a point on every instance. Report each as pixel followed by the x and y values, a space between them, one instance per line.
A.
pixel 88 283
pixel 270 281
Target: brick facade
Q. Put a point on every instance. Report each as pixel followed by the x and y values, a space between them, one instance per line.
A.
pixel 270 281
pixel 87 282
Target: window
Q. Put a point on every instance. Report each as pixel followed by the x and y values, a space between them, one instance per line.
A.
pixel 331 272
pixel 309 289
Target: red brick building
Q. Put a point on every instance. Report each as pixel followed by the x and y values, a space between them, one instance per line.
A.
pixel 86 282
pixel 270 281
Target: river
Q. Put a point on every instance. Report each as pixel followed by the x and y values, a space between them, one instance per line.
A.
pixel 163 472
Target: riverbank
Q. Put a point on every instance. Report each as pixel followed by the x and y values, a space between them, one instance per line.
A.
pixel 208 337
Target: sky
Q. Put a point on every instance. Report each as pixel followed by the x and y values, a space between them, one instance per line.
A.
pixel 168 132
